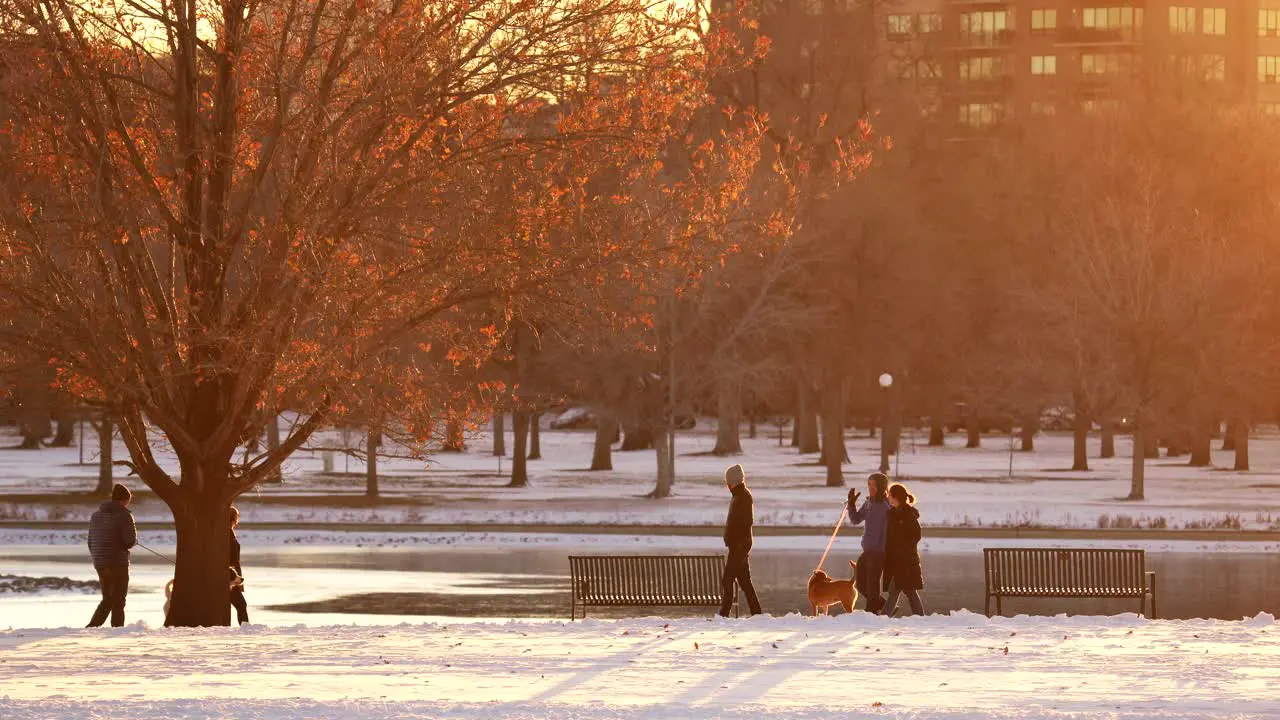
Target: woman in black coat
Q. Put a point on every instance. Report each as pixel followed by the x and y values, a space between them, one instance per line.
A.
pixel 236 574
pixel 902 571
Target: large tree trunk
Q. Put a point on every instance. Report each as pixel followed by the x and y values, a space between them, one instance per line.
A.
pixel 535 436
pixel 520 450
pixel 937 433
pixel 106 434
pixel 606 433
pixel 666 468
pixel 834 453
pixel 201 597
pixel 1108 439
pixel 973 429
pixel 1242 445
pixel 809 422
pixel 372 441
pixel 1030 426
pixel 65 417
pixel 273 442
pixel 1201 443
pixel 1229 437
pixel 1080 433
pixel 454 435
pixel 636 437
pixel 795 431
pixel 499 433
pixel 729 413
pixel 752 429
pixel 1137 475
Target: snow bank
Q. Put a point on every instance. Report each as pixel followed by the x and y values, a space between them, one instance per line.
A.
pixel 941 667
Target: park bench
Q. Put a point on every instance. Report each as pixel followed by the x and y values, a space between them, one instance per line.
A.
pixel 646 581
pixel 1073 573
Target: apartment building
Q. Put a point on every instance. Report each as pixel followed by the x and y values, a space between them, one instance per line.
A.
pixel 982 61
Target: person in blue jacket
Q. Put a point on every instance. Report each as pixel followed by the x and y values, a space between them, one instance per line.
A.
pixel 875 514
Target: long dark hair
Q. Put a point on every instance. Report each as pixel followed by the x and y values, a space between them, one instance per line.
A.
pixel 899 491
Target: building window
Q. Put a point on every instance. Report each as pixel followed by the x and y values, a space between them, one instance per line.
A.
pixel 929 70
pixel 1214 21
pixel 1044 21
pixel 1043 108
pixel 900 25
pixel 1106 64
pixel 1269 23
pixel 1125 19
pixel 1213 67
pixel 984 27
pixel 1271 109
pixel 1269 69
pixel 1100 106
pixel 1182 20
pixel 1044 64
pixel 980 115
pixel 902 68
pixel 930 22
pixel 981 68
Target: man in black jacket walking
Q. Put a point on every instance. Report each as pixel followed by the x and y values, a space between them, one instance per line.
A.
pixel 112 533
pixel 737 537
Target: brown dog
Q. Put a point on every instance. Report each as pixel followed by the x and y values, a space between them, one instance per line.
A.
pixel 825 592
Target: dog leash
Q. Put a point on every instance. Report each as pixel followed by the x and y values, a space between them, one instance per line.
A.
pixel 832 540
pixel 153 552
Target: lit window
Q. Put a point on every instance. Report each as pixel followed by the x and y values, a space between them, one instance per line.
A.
pixel 1182 20
pixel 1043 108
pixel 1044 21
pixel 1213 67
pixel 1269 108
pixel 1106 64
pixel 1214 21
pixel 981 68
pixel 929 70
pixel 930 22
pixel 1097 107
pixel 984 27
pixel 902 68
pixel 980 115
pixel 1044 64
pixel 1112 18
pixel 900 24
pixel 1269 69
pixel 1269 23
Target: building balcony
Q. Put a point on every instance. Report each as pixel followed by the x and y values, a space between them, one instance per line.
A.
pixel 996 39
pixel 1082 36
pixel 993 85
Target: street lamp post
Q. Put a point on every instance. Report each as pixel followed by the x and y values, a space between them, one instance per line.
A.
pixel 885 381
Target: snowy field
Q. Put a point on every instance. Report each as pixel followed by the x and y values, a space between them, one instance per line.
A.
pixel 956 487
pixel 937 667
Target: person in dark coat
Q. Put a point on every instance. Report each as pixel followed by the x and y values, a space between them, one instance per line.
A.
pixel 112 533
pixel 737 538
pixel 237 577
pixel 875 513
pixel 903 574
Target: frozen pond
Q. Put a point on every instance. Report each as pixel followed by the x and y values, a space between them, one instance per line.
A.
pixel 322 584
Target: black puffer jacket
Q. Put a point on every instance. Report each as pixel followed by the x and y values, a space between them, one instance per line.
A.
pixel 111 534
pixel 901 556
pixel 737 527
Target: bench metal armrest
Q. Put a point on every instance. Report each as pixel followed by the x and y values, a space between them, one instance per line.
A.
pixel 1151 588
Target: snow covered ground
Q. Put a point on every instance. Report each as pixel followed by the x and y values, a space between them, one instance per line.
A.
pixel 954 667
pixel 986 487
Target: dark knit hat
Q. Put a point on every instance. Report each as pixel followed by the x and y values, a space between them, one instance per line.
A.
pixel 120 493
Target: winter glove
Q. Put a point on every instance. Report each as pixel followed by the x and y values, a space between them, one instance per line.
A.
pixel 853 498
